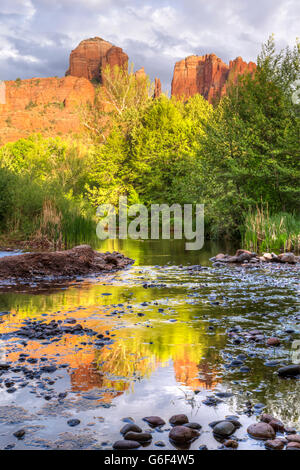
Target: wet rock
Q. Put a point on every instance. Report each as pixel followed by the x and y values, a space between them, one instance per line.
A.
pixel 261 431
pixel 273 342
pixel 287 258
pixel 231 444
pixel 138 436
pixel 193 425
pixel 130 427
pixel 224 429
pixel 211 401
pixel 183 434
pixel 293 446
pixel 204 447
pixel 289 430
pixel 154 421
pixel 159 444
pixel 73 422
pixel 177 420
pixel 293 438
pixel 289 371
pixel 275 444
pixel 20 434
pixel 125 444
pixel 277 425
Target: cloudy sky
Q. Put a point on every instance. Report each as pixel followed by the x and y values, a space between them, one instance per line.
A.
pixel 36 36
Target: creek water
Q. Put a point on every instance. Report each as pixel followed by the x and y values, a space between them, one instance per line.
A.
pixel 168 322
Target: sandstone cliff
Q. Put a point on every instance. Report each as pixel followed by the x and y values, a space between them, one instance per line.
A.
pixel 46 105
pixel 207 75
pixel 93 55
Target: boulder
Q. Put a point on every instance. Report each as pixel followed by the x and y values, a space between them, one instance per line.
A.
pixel 154 421
pixel 138 436
pixel 183 434
pixel 261 431
pixel 224 428
pixel 177 420
pixel 275 444
pixel 273 342
pixel 287 258
pixel 289 371
pixel 124 444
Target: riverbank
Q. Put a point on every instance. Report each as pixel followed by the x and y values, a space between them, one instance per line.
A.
pixel 80 260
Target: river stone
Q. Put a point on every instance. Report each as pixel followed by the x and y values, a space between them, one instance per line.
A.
pixel 20 434
pixel 289 371
pixel 293 438
pixel 177 420
pixel 138 436
pixel 154 421
pixel 130 427
pixel 231 444
pixel 182 434
pixel 277 425
pixel 273 342
pixel 293 446
pixel 275 444
pixel 288 258
pixel 124 444
pixel 224 429
pixel 261 431
pixel 193 425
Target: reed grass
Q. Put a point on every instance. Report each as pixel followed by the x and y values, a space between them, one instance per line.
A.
pixel 271 232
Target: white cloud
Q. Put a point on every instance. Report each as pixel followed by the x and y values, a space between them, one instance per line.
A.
pixel 154 33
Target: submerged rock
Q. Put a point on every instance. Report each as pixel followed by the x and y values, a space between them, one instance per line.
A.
pixel 289 371
pixel 154 421
pixel 125 444
pixel 177 420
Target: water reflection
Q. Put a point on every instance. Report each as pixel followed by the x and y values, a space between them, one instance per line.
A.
pixel 176 332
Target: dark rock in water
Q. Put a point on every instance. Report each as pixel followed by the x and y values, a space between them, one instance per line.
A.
pixel 261 431
pixel 293 438
pixel 138 436
pixel 224 394
pixel 275 342
pixel 289 371
pixel 159 444
pixel 20 434
pixel 177 420
pixel 277 425
pixel 183 434
pixel 275 444
pixel 124 444
pixel 154 421
pixel 245 369
pixel 4 366
pixel 224 428
pixel 193 426
pixel 73 422
pixel 203 447
pixel 130 427
pixel 289 430
pixel 231 444
pixel 293 446
pixel 211 401
pixel 48 369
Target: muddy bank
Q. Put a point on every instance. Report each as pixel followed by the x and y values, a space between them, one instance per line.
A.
pixel 79 261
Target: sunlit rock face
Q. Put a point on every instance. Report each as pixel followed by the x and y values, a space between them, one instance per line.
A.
pixel 46 105
pixel 93 55
pixel 207 75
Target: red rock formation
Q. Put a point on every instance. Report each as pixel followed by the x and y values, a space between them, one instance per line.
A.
pixel 207 75
pixel 157 88
pixel 46 105
pixel 93 55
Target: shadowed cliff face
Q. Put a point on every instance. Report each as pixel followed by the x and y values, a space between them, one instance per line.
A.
pixel 207 75
pixel 93 55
